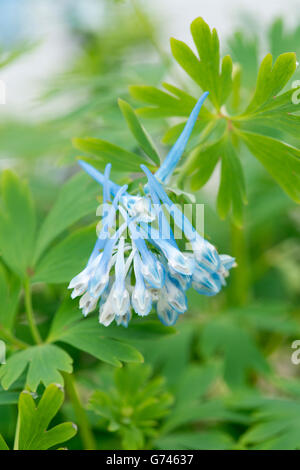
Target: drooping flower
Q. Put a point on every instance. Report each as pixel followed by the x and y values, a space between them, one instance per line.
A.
pixel 136 263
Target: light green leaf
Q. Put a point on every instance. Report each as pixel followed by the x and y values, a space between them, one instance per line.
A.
pixel 44 363
pixel 77 198
pixel 271 79
pixel 104 152
pixel 3 445
pixel 66 259
pixel 163 104
pixel 188 61
pixel 34 421
pixel 206 71
pixel 138 131
pixel 17 223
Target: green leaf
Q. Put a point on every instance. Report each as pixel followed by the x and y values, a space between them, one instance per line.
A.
pixel 275 425
pixel 76 199
pixel 66 259
pixel 206 440
pixel 282 161
pixel 206 71
pixel 271 79
pixel 7 57
pixel 232 192
pixel 271 318
pixel 138 131
pixel 17 223
pixel 104 152
pixel 188 61
pixel 10 288
pixel 8 398
pixel 69 313
pixel 206 412
pixel 89 336
pixel 195 382
pixel 238 348
pixel 106 344
pixel 34 421
pixel 44 363
pixel 283 38
pixel 244 51
pixel 131 404
pixel 171 354
pixel 204 160
pixel 163 104
pixel 3 445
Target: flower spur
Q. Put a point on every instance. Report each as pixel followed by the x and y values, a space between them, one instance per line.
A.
pixel 146 269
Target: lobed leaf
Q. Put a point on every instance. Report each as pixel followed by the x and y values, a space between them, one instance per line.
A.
pixel 34 421
pixel 282 161
pixel 41 363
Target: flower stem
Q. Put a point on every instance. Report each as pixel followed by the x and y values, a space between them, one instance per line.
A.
pixel 85 431
pixel 29 313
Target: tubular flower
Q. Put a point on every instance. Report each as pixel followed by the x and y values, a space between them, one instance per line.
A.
pixel 136 262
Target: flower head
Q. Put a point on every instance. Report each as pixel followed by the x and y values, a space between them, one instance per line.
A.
pixel 136 262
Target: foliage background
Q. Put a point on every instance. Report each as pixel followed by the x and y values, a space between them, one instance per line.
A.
pixel 223 378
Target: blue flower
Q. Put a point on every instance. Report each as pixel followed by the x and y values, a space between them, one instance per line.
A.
pixel 136 263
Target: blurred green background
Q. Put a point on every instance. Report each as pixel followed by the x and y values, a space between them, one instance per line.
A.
pixel 225 379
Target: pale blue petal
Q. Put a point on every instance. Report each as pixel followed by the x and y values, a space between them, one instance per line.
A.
pixel 173 157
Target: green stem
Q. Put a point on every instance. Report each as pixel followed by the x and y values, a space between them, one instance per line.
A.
pixel 29 312
pixel 17 434
pixel 85 431
pixel 6 335
pixel 240 285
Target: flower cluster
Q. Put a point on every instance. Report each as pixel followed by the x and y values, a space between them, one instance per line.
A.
pixel 137 264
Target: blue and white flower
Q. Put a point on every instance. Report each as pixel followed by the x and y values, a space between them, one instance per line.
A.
pixel 137 265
